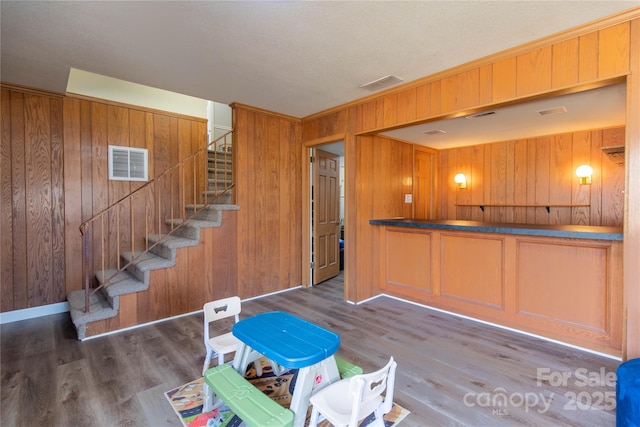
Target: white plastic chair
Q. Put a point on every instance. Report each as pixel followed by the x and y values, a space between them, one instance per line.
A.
pixel 347 401
pixel 226 343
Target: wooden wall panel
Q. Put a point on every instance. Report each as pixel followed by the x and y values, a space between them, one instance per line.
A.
pixel 423 101
pixel 546 288
pixel 504 79
pixel 561 177
pixel 588 57
pixel 475 184
pixel 613 50
pixel 38 197
pixel 612 180
pixel 534 71
pixel 379 194
pixel 57 201
pixel 407 269
pixel 6 205
pixel 390 112
pixel 33 220
pixel 269 221
pixel 565 63
pixel 483 260
pixel 536 171
pixel 460 91
pixel 583 194
pixel 407 105
pixel 19 203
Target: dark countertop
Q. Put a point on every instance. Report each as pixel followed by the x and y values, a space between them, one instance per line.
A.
pixel 565 231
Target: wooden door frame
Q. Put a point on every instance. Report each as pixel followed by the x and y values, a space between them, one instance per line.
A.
pixel 306 202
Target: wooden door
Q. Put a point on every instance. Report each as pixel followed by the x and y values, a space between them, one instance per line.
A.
pixel 423 172
pixel 326 216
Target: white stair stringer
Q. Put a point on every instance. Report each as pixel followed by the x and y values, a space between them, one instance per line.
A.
pixel 105 303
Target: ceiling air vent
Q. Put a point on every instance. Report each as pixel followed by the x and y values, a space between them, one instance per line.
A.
pixel 128 164
pixel 381 83
pixel 615 154
pixel 548 111
pixel 477 116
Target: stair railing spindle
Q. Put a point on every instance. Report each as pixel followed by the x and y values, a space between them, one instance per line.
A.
pixel 118 236
pixel 85 238
pixel 102 251
pixel 153 188
pixel 132 228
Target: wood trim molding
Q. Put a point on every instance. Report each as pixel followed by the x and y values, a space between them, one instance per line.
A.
pixel 325 140
pixel 26 89
pixel 631 309
pixel 306 200
pixel 624 16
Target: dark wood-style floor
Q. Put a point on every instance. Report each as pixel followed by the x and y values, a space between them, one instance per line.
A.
pixel 451 371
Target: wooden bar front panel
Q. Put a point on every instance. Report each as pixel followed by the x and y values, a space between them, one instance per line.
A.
pixel 409 269
pixel 469 271
pixel 564 289
pixel 546 288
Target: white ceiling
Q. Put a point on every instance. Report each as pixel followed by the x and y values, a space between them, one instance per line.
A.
pixel 290 57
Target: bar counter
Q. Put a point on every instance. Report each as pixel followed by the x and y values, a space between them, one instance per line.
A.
pixel 564 231
pixel 563 282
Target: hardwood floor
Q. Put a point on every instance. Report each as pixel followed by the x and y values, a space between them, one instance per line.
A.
pixel 451 371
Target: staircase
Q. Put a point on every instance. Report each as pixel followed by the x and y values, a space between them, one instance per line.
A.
pixel 104 302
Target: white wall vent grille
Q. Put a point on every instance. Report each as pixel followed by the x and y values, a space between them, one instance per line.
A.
pixel 128 164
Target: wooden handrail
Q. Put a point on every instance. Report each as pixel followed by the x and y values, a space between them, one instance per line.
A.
pixel 156 190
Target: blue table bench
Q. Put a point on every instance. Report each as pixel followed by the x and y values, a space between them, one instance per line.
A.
pixel 254 407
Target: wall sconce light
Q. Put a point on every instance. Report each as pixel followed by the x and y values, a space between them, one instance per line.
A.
pixel 461 180
pixel 584 173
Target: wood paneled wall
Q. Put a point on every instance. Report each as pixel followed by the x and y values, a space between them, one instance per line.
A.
pixel 384 170
pixel 55 176
pixel 543 68
pixel 535 171
pixel 592 55
pixel 32 219
pixel 268 190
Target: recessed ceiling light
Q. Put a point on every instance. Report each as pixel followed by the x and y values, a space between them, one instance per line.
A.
pixel 434 132
pixel 380 83
pixel 552 111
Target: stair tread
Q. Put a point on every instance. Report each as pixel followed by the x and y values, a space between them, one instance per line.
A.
pixel 196 223
pixel 216 206
pixel 99 308
pixel 172 241
pixel 122 283
pixel 147 261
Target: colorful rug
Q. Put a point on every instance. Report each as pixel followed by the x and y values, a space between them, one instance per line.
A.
pixel 187 400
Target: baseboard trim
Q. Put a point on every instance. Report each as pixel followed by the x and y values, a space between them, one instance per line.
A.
pixel 30 313
pixel 176 317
